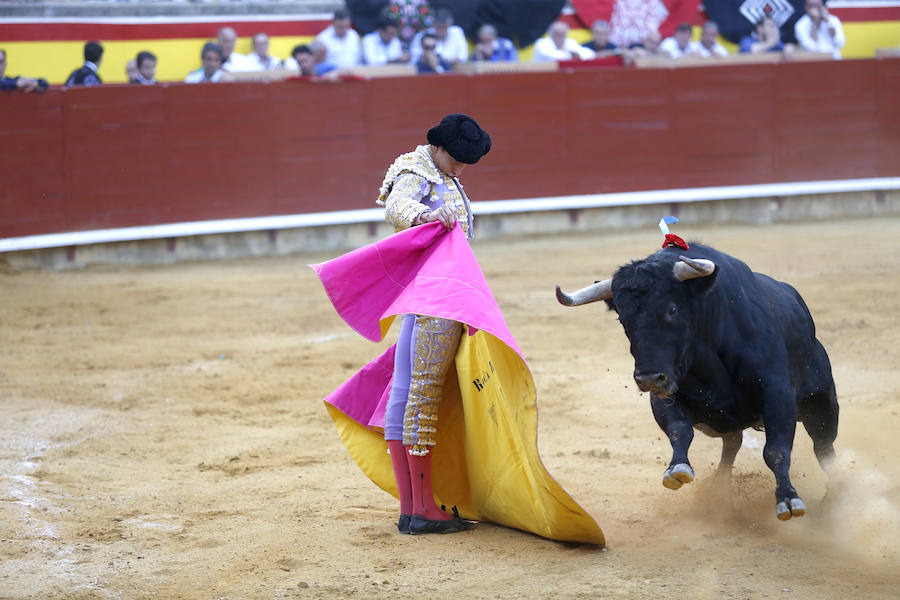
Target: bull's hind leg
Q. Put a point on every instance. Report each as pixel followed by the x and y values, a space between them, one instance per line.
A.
pixel 680 431
pixel 731 443
pixel 820 418
pixel 819 414
pixel 818 409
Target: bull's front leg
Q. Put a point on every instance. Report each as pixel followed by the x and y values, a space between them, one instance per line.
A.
pixel 674 421
pixel 780 419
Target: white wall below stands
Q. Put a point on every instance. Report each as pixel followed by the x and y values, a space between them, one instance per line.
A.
pixel 333 239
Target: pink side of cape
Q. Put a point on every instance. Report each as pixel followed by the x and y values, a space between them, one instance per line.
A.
pixel 423 270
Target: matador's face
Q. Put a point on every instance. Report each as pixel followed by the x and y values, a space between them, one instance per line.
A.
pixel 447 163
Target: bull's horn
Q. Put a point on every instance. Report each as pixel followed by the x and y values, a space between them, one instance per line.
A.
pixel 691 268
pixel 602 290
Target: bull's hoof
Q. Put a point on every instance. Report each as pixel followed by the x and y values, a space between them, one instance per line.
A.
pixel 786 509
pixel 677 475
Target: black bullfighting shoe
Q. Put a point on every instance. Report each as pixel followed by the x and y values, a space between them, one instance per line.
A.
pixel 419 525
pixel 403 524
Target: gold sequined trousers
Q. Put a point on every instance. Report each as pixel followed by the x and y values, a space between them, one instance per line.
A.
pixel 436 341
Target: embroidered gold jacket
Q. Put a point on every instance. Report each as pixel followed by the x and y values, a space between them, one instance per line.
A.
pixel 414 185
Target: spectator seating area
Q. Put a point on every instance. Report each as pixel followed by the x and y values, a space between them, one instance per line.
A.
pixel 51 49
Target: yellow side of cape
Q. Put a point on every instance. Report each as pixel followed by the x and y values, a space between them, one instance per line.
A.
pixel 486 459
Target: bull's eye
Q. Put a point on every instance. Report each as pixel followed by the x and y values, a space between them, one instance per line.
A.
pixel 671 312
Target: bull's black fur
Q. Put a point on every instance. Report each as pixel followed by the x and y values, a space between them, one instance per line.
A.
pixel 727 351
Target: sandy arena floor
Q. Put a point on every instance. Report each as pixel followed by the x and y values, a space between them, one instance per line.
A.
pixel 162 435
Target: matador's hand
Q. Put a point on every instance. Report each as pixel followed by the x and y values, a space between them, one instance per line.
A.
pixel 445 214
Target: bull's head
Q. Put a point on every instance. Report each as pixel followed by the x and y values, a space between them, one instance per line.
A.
pixel 656 304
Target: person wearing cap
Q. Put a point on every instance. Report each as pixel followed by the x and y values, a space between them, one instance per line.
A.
pixel 448 413
pixel 420 187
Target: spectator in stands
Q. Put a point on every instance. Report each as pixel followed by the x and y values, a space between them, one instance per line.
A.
pixel 601 44
pixel 145 68
pixel 232 61
pixel 820 31
pixel 491 47
pixel 451 40
pixel 429 60
pixel 304 59
pixel 320 54
pixel 301 55
pixel 766 38
pixel 559 46
pixel 383 45
pixel 87 73
pixel 649 47
pixel 707 46
pixel 27 84
pixel 260 59
pixel 341 41
pixel 680 43
pixel 320 66
pixel 213 58
pixel 131 70
pixel 412 17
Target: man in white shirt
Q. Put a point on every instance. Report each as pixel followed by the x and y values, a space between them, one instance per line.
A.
pixel 260 59
pixel 559 46
pixel 211 72
pixel 382 46
pixel 820 31
pixel 451 39
pixel 233 61
pixel 680 43
pixel 342 41
pixel 708 46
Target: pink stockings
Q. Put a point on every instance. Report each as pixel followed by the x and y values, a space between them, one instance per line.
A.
pixel 401 474
pixel 413 475
pixel 425 352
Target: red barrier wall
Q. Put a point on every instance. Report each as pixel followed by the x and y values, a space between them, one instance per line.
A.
pixel 119 156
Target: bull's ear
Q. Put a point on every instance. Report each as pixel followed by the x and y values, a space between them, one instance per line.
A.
pixel 611 305
pixel 702 285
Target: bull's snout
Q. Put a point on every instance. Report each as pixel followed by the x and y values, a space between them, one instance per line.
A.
pixel 652 382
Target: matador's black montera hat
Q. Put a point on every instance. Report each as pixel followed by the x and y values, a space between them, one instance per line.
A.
pixel 461 137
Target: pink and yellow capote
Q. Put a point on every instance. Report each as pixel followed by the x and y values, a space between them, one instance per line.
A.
pixel 486 459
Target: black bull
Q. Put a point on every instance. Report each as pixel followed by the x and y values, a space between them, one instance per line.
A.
pixel 722 348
